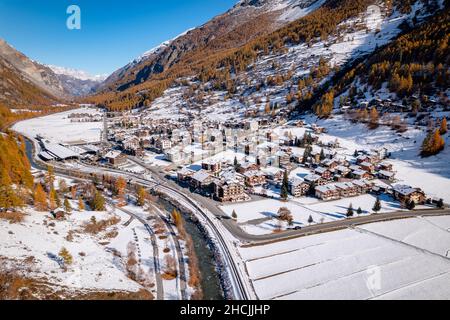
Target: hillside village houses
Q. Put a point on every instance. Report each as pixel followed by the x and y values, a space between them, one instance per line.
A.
pixel 267 154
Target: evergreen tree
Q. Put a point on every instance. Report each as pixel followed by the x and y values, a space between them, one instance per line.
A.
pixel 234 215
pixel 359 211
pixel 40 198
pixel 377 206
pixel 440 203
pixel 322 155
pixel 310 219
pixel 73 192
pixel 236 164
pixel 98 202
pixel 410 205
pixel 350 211
pixel 285 187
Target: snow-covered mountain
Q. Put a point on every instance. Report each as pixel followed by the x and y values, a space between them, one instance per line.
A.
pixel 77 74
pixel 77 82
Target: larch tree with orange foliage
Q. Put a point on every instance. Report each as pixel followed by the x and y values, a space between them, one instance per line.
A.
pixel 443 128
pixel 40 198
pixel 120 186
pixel 433 144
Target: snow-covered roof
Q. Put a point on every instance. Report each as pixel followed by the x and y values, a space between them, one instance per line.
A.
pixel 344 185
pixel 326 188
pixel 253 173
pixel 312 177
pixel 113 154
pixel 387 173
pixel 201 175
pixel 404 189
pixel 59 151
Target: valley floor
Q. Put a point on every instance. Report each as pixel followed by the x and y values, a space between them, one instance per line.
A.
pixel 405 259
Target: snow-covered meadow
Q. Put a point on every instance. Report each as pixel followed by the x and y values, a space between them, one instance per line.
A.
pixel 58 128
pixel 404 259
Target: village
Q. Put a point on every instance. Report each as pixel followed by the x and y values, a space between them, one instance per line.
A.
pixel 240 161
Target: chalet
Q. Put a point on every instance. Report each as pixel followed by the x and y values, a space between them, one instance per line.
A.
pixel 254 178
pixel 367 166
pixel 58 214
pixel 323 172
pixel 386 166
pixel 273 174
pixel 363 158
pixel 201 179
pixel 330 163
pixel 315 179
pixel 327 192
pixel 212 166
pixel 283 158
pixel 247 166
pixel 229 191
pixel 347 189
pixel 363 185
pixel 185 174
pixel 298 187
pixel 405 193
pixel 386 175
pixel 163 144
pixel 361 174
pixel 116 158
pixel 342 170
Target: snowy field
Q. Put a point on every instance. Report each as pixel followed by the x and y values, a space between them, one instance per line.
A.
pixel 404 259
pixel 59 129
pixel 42 238
pixel 260 217
pixel 268 210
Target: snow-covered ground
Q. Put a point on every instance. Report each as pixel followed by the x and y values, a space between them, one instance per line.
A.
pixel 58 128
pixel 404 259
pixel 42 238
pixel 260 217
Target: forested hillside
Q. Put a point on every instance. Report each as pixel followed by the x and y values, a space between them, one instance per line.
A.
pixel 417 63
pixel 208 63
pixel 16 180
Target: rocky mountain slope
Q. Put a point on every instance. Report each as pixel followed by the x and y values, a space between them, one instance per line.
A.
pixel 37 74
pixel 245 21
pixel 25 82
pixel 295 60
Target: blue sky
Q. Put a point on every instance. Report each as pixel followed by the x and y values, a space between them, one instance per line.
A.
pixel 113 32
